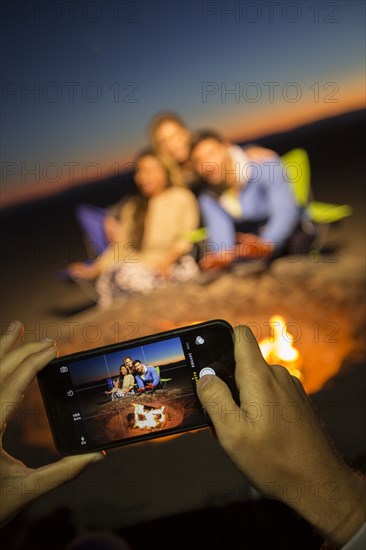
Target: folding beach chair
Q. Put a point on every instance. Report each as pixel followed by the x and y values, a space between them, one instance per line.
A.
pixel 321 214
pixel 163 381
pixel 91 220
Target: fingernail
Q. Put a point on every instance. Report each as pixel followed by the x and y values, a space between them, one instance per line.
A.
pixel 206 378
pixel 49 341
pixel 99 457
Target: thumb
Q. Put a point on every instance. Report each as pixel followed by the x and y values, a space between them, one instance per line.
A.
pixel 53 475
pixel 218 401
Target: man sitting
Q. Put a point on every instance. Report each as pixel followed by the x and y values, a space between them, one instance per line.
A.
pixel 147 377
pixel 248 208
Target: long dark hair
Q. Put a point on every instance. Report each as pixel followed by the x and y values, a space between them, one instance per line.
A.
pixel 121 376
pixel 141 203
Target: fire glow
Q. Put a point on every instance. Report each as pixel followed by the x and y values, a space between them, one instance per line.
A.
pixel 279 348
pixel 146 417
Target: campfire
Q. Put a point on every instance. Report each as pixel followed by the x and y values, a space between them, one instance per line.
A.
pixel 146 417
pixel 279 348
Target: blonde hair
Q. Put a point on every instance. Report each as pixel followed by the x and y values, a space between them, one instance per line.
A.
pixel 158 120
pixel 173 169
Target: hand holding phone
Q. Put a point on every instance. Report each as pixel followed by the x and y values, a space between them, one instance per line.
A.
pixel 275 439
pixel 18 368
pixel 136 390
pixel 273 455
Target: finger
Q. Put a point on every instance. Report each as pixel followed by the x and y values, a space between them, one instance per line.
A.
pixel 251 370
pixel 300 387
pixel 53 475
pixel 15 386
pixel 11 361
pixel 216 398
pixel 250 364
pixel 297 381
pixel 10 336
pixel 248 355
pixel 283 376
pixel 280 372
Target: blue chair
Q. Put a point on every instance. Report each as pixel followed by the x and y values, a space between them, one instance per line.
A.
pixel 91 219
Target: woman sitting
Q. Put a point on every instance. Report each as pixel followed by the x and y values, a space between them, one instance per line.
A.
pixel 152 242
pixel 123 384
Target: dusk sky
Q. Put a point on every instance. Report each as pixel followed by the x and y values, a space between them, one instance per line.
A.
pixel 92 369
pixel 80 80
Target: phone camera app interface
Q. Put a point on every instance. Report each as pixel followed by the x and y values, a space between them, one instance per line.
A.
pixel 132 392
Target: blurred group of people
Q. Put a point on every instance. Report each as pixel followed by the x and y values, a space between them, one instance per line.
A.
pixel 192 187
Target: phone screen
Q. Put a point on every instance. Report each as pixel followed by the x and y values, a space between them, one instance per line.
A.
pixel 135 390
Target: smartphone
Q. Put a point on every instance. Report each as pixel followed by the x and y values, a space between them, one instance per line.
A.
pixel 135 390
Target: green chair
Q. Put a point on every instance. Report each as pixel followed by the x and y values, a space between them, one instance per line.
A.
pixel 163 381
pixel 322 214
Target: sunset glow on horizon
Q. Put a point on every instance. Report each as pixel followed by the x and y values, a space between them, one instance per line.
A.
pixel 78 92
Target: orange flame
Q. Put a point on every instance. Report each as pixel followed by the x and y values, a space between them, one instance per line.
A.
pixel 279 348
pixel 148 417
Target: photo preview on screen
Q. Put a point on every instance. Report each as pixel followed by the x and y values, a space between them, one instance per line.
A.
pixel 134 391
